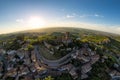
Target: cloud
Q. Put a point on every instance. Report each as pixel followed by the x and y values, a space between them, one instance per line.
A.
pixel 70 16
pixel 97 15
pixel 74 15
pixel 19 20
pixel 90 15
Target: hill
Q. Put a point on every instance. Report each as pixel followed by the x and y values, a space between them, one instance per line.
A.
pixel 72 53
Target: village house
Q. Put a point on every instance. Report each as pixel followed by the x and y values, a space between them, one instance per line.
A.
pixel 92 53
pixel 83 59
pixel 27 61
pixel 83 76
pixel 1 64
pixel 37 66
pixel 74 56
pixel 11 57
pixel 68 49
pixel 116 66
pixel 51 52
pixel 58 46
pixel 78 52
pixel 67 67
pixel 86 68
pixel 24 70
pixel 88 49
pixel 27 77
pixel 1 74
pixel 78 38
pixel 49 46
pixel 11 52
pixel 2 51
pixel 106 41
pixel 26 54
pixel 54 73
pixel 113 73
pixel 33 57
pixel 71 69
pixel 73 73
pixel 10 65
pixel 21 53
pixel 32 67
pixel 24 46
pixel 1 68
pixel 94 58
pixel 104 58
pixel 12 72
pixel 20 41
pixel 85 51
pixel 4 43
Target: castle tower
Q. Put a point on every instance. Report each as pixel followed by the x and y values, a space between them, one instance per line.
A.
pixel 67 35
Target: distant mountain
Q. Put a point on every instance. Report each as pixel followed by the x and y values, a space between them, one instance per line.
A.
pixel 81 31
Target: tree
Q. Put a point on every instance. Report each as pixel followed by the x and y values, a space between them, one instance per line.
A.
pixel 49 78
pixel 20 37
pixel 30 47
pixel 64 76
pixel 98 72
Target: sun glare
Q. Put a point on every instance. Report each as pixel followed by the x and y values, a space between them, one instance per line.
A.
pixel 36 22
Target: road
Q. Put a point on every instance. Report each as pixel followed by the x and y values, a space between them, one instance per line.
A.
pixel 116 78
pixel 52 63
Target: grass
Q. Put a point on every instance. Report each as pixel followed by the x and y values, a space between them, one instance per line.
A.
pixel 46 54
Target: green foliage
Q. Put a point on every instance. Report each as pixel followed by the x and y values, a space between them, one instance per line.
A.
pixel 20 37
pixel 10 78
pixel 30 47
pixel 49 78
pixel 13 45
pixel 16 56
pixel 76 62
pixel 20 62
pixel 94 38
pixel 98 72
pixel 38 79
pixel 110 61
pixel 64 76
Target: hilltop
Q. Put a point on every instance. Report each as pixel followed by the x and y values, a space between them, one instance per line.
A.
pixel 60 54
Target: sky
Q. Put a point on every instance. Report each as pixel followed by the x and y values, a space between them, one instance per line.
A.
pixel 18 15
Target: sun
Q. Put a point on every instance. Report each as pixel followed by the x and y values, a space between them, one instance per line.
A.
pixel 36 22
